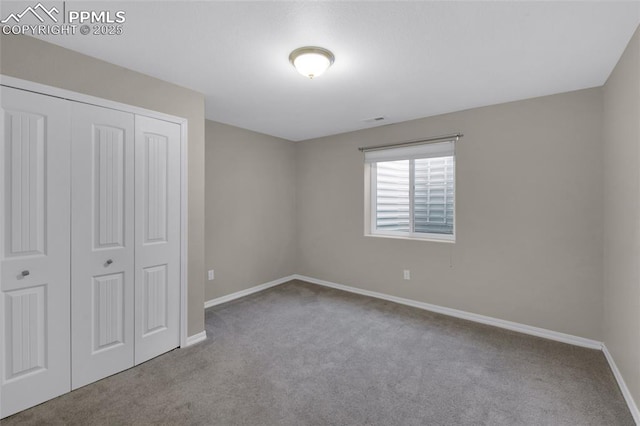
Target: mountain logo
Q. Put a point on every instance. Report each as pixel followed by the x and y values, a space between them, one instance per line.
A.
pixel 38 11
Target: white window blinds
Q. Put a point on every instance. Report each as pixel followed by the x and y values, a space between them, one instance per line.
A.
pixel 393 201
pixel 433 195
pixel 413 190
pixel 431 150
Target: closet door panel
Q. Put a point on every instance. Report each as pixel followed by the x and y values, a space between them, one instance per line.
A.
pixel 34 249
pixel 157 237
pixel 102 243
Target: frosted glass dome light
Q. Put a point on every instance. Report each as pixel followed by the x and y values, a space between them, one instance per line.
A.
pixel 311 61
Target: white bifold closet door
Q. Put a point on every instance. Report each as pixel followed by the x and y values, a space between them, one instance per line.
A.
pixel 34 249
pixel 102 229
pixel 125 241
pixel 89 244
pixel 157 237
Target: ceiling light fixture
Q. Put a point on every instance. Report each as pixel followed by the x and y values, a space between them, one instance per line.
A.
pixel 311 61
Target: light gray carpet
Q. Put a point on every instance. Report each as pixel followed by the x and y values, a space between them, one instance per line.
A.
pixel 300 354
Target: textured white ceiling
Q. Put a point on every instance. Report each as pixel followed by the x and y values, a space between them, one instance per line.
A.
pixel 400 60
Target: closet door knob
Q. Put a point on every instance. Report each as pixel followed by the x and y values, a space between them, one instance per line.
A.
pixel 109 262
pixel 25 273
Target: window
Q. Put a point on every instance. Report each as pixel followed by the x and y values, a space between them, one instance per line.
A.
pixel 412 191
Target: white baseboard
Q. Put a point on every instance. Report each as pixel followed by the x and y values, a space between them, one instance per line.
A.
pixel 509 325
pixel 196 338
pixel 623 386
pixel 246 292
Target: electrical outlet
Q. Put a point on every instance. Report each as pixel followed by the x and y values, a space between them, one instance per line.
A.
pixel 211 274
pixel 407 274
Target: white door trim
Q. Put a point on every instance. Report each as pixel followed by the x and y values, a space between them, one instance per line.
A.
pixel 184 266
pixel 43 89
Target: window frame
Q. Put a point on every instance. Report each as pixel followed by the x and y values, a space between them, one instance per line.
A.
pixel 371 205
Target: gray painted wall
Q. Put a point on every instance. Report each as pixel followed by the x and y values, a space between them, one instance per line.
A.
pixel 250 208
pixel 622 215
pixel 35 60
pixel 529 215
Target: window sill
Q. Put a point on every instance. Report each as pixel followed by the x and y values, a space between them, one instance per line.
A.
pixel 423 239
